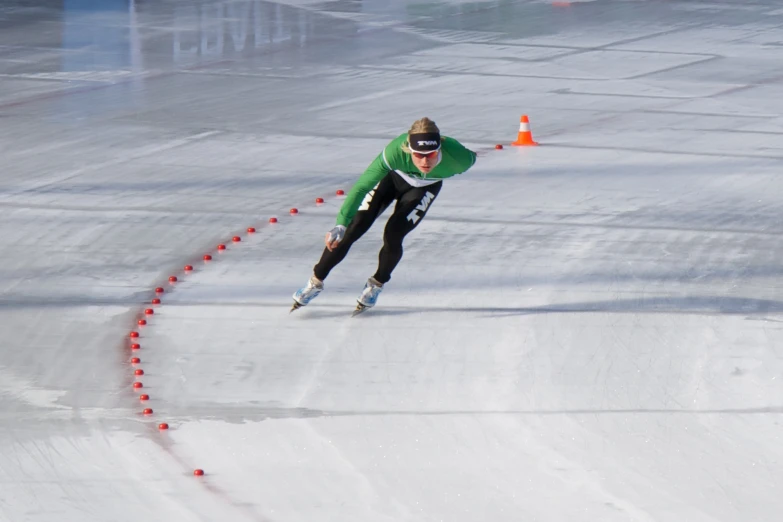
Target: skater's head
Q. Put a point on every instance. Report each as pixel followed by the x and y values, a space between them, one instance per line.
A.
pixel 424 144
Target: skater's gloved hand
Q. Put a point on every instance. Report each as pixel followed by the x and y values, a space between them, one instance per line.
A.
pixel 334 236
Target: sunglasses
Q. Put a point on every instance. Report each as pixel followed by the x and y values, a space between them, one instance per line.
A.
pixel 431 154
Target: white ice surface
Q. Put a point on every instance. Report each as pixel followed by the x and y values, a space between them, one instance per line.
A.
pixel 587 331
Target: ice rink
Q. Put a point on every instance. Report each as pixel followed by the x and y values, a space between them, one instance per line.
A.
pixel 585 331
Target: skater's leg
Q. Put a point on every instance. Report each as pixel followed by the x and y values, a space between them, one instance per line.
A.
pixel 376 201
pixel 408 213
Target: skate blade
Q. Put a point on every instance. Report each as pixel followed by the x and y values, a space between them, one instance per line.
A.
pixel 359 309
pixel 296 306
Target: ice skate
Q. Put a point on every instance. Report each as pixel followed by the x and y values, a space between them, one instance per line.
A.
pixel 369 296
pixel 304 295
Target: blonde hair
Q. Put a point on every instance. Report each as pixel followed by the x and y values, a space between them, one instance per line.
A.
pixel 424 125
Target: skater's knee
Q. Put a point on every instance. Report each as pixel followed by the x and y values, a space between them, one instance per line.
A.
pixel 393 242
pixel 394 233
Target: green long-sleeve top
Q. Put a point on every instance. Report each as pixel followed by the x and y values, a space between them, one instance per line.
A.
pixel 455 159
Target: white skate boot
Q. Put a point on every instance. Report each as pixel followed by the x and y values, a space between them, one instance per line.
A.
pixel 369 296
pixel 309 292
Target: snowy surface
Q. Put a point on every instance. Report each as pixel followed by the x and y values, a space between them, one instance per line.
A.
pixel 590 330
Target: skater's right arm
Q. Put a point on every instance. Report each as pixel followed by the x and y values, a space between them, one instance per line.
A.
pixel 374 173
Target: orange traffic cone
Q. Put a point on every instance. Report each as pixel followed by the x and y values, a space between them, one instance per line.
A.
pixel 524 137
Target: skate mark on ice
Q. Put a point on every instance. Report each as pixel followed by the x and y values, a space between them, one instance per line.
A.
pixel 686 305
pixel 284 413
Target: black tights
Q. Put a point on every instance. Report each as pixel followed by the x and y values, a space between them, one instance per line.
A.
pixel 412 205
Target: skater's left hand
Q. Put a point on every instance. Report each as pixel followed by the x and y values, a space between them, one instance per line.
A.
pixel 334 236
